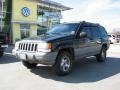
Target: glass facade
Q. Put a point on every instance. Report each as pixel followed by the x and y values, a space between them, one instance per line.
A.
pixel 24 29
pixel 47 17
pixel 2 14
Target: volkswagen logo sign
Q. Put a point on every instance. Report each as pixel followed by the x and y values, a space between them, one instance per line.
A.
pixel 25 11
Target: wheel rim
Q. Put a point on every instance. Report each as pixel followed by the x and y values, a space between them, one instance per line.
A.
pixel 65 63
pixel 103 54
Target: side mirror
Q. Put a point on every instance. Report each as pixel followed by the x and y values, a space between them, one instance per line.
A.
pixel 83 34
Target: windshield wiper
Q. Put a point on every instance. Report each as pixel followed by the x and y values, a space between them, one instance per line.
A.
pixel 53 33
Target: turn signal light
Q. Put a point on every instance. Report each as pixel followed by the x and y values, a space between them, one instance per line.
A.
pixel 49 45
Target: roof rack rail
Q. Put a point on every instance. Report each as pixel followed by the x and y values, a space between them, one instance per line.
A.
pixel 89 23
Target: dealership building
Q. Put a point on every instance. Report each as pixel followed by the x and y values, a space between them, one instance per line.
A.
pixel 27 18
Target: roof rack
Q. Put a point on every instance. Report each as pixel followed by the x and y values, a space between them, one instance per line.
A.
pixel 89 23
pixel 84 23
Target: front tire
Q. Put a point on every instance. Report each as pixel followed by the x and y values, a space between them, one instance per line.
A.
pixel 102 56
pixel 63 65
pixel 29 65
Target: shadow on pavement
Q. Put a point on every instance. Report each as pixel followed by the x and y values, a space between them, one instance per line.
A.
pixel 8 59
pixel 87 70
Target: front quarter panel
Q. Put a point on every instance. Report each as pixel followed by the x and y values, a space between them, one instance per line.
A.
pixel 61 44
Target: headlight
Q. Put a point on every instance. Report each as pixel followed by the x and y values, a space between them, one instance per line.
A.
pixel 16 45
pixel 44 47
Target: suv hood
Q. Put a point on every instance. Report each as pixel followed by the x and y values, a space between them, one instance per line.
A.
pixel 49 38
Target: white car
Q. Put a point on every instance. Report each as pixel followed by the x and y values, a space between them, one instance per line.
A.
pixel 112 39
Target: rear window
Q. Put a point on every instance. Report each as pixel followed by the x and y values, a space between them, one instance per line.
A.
pixel 103 31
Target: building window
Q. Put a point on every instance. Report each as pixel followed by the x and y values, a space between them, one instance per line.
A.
pixel 41 30
pixel 48 17
pixel 24 28
pixel 2 13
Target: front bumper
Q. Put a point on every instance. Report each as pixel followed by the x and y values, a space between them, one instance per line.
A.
pixel 47 58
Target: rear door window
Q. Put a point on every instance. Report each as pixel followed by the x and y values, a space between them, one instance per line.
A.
pixel 87 30
pixel 95 32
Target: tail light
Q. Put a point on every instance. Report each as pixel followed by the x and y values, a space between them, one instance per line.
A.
pixel 6 39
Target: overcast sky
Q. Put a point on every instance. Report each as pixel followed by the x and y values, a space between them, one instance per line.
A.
pixel 105 12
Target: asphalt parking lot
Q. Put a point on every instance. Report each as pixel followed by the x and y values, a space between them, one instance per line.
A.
pixel 87 74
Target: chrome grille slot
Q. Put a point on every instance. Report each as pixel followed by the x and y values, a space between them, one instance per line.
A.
pixel 35 47
pixel 24 46
pixel 29 47
pixel 21 46
pixel 32 47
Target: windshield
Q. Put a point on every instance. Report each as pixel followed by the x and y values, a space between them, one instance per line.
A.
pixel 64 29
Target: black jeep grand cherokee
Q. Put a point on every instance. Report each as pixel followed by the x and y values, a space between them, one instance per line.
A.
pixel 62 45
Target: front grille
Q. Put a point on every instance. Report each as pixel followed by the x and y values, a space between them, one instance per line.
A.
pixel 28 46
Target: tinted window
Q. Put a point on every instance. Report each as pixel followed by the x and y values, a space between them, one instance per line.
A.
pixel 103 32
pixel 64 29
pixel 95 32
pixel 87 30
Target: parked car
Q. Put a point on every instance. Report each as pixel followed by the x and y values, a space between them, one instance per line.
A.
pixel 62 45
pixel 112 39
pixel 3 42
